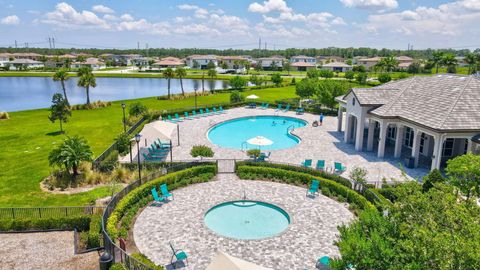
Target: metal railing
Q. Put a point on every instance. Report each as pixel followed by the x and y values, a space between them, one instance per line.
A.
pixel 48 212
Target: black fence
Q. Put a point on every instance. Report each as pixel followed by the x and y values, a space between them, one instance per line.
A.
pixel 119 254
pixel 49 212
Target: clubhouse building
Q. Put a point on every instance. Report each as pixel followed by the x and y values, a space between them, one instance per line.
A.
pixel 422 121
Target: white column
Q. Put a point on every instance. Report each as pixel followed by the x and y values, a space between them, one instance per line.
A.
pixel 398 141
pixel 371 132
pixel 340 118
pixel 470 145
pixel 360 131
pixel 347 128
pixel 382 139
pixel 437 152
pixel 416 145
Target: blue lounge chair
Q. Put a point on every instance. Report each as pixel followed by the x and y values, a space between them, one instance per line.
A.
pixel 194 114
pixel 147 158
pixel 178 118
pixel 313 187
pixel 221 110
pixel 279 107
pixel 155 195
pixel 169 117
pixel 179 255
pixel 339 168
pixel 164 190
pixel 320 165
pixel 287 108
pixel 186 116
pixel 307 163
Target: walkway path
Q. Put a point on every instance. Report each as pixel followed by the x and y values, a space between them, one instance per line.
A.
pixel 310 235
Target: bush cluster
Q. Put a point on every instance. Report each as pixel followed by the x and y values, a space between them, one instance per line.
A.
pixel 94 232
pixel 82 223
pixel 143 259
pixel 94 105
pixel 174 180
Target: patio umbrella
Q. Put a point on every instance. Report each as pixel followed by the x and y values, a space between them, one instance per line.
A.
pixel 223 261
pixel 260 141
pixel 252 97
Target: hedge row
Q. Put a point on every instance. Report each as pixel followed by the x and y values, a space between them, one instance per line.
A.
pixel 174 180
pixel 337 178
pixel 82 223
pixel 94 232
pixel 292 177
pixel 373 195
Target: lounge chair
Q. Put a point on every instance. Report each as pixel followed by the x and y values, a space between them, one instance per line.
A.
pixel 215 111
pixel 323 263
pixel 221 109
pixel 164 190
pixel 266 106
pixel 186 116
pixel 338 167
pixel 287 108
pixel 208 112
pixel 178 118
pixel 201 113
pixel 279 107
pixel 306 163
pixel 261 105
pixel 155 195
pixel 300 110
pixel 163 144
pixel 179 255
pixel 320 165
pixel 194 114
pixel 169 117
pixel 313 187
pixel 262 156
pixel 147 158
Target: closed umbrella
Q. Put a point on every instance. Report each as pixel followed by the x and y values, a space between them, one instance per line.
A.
pixel 224 261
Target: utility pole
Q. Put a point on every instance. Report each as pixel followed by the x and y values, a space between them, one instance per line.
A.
pixel 49 43
pixel 146 46
pixel 138 45
pixel 15 44
pixel 265 46
pixel 53 41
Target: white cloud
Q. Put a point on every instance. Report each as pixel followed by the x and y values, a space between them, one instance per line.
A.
pixel 338 21
pixel 201 13
pixel 110 17
pixel 142 25
pixel 66 16
pixel 187 7
pixel 371 4
pixel 102 9
pixel 126 17
pixel 10 20
pixel 180 19
pixel 269 6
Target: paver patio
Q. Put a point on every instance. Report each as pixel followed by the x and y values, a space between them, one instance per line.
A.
pixel 310 235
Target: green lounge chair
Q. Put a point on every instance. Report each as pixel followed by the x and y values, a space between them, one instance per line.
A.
pixel 306 163
pixel 155 196
pixel 178 118
pixel 179 255
pixel 221 109
pixel 169 117
pixel 164 190
pixel 313 187
pixel 338 167
pixel 279 107
pixel 320 165
pixel 287 108
pixel 186 116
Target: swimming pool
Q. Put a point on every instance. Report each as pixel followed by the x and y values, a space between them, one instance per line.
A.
pixel 247 220
pixel 234 133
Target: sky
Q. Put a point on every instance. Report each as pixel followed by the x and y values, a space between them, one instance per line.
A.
pixel 241 23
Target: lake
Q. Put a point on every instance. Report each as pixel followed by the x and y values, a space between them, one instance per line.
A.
pixel 26 93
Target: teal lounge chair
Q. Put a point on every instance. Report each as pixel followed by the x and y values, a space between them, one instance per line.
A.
pixel 186 116
pixel 323 262
pixel 262 105
pixel 164 190
pixel 169 117
pixel 279 107
pixel 266 106
pixel 287 108
pixel 221 109
pixel 300 110
pixel 320 165
pixel 215 111
pixel 147 158
pixel 179 255
pixel 207 111
pixel 178 118
pixel 194 114
pixel 165 144
pixel 338 167
pixel 313 187
pixel 201 113
pixel 307 163
pixel 155 196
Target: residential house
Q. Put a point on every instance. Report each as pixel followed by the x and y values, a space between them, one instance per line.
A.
pixel 337 67
pixel 5 58
pixel 426 120
pixel 303 59
pixel 201 61
pixel 19 64
pixel 267 63
pixel 168 62
pixel 368 63
pixel 119 59
pixel 328 59
pixel 303 66
pixel 31 56
pixel 404 61
pixel 93 63
pixel 233 62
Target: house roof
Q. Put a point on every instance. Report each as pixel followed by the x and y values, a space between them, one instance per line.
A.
pixel 442 102
pixel 241 58
pixel 26 54
pixel 169 61
pixel 90 61
pixel 302 57
pixel 337 64
pixel 302 64
pixel 373 59
pixel 24 61
pixel 404 58
pixel 208 57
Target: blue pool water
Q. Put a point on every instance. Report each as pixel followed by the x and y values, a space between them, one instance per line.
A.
pixel 232 133
pixel 247 220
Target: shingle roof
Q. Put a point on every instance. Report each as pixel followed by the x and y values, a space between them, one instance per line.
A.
pixel 302 64
pixel 442 102
pixel 337 64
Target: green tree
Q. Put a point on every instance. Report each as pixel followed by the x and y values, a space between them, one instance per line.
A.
pixel 287 66
pixel 464 173
pixel 212 73
pixel 437 59
pixel 247 65
pixel 44 60
pixel 273 66
pixel 256 79
pixel 201 151
pixel 359 68
pixel 313 73
pixel 325 73
pixel 70 154
pixel 327 90
pixel 258 66
pixel 210 65
pixel 62 75
pixel 471 59
pixel 223 65
pixel 168 74
pixel 238 82
pixel 349 75
pixel 277 79
pixel 384 78
pixel 431 179
pixel 359 177
pixel 307 87
pixel 86 80
pixel 123 143
pixel 236 97
pixel 389 64
pixel 450 62
pixel 414 68
pixel 137 108
pixel 195 64
pixel 362 78
pixel 60 110
pixel 181 73
pixel 150 63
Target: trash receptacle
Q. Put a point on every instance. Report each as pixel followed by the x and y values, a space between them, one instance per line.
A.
pixel 106 261
pixel 410 162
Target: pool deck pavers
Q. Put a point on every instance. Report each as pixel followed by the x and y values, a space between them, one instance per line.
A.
pixel 310 235
pixel 323 142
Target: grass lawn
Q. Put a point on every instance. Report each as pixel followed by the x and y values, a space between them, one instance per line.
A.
pixel 28 136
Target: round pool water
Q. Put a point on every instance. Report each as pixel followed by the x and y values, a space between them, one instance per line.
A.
pixel 247 220
pixel 235 133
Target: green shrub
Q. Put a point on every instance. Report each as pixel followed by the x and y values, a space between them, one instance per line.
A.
pixel 349 75
pixel 109 163
pixel 94 105
pixel 238 82
pixel 374 196
pixel 137 109
pixel 117 266
pixel 384 78
pixel 93 237
pixel 123 143
pixel 143 259
pixel 253 153
pixel 292 177
pixel 362 78
pixel 82 223
pixel 236 97
pixel 174 180
pixel 201 151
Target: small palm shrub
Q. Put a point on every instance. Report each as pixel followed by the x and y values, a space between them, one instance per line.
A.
pixel 4 116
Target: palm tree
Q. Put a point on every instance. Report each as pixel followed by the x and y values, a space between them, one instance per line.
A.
pixel 62 75
pixel 67 63
pixel 389 63
pixel 168 74
pixel 437 58
pixel 86 80
pixel 212 73
pixel 181 73
pixel 450 62
pixel 471 60
pixel 70 154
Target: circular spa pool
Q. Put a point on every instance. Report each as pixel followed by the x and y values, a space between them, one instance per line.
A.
pixel 247 220
pixel 235 133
